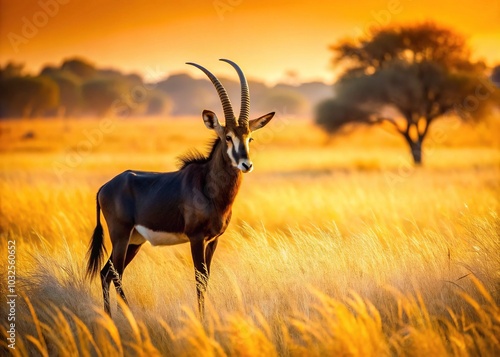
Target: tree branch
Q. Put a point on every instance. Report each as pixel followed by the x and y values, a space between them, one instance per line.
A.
pixel 428 122
pixel 389 120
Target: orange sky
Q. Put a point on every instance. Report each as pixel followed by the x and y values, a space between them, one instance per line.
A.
pixel 267 38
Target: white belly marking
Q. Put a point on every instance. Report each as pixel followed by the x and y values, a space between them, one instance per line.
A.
pixel 161 238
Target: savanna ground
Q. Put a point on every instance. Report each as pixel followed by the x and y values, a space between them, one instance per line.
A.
pixel 337 247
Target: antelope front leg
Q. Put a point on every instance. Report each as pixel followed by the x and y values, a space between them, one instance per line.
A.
pixel 201 273
pixel 209 253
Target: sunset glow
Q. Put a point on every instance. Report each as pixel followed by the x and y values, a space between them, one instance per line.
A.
pixel 266 38
pixel 343 202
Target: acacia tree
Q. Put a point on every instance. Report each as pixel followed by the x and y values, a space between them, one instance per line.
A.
pixel 408 76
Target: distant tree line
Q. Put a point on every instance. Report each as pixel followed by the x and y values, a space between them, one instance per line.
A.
pixel 78 88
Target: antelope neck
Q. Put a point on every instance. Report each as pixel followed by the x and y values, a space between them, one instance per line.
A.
pixel 223 176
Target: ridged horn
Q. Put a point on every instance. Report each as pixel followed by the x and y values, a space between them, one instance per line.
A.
pixel 245 94
pixel 224 98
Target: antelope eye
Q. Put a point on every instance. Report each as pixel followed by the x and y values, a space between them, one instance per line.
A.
pixel 250 140
pixel 228 138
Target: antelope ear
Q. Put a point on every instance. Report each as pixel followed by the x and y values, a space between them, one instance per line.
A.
pixel 256 124
pixel 210 119
pixel 212 122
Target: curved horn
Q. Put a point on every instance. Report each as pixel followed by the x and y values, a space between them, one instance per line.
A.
pixel 245 93
pixel 224 98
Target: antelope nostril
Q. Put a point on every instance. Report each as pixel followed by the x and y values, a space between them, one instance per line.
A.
pixel 246 166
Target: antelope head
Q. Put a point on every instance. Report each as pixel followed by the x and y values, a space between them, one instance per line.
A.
pixel 236 133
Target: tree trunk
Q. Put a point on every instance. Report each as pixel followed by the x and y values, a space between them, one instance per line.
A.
pixel 415 144
pixel 416 151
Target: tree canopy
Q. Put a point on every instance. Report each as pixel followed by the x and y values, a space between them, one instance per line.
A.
pixel 408 76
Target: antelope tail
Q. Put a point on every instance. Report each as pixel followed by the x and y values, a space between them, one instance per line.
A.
pixel 95 254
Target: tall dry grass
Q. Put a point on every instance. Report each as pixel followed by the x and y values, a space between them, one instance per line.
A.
pixel 334 249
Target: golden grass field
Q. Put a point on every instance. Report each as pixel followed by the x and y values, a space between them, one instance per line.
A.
pixel 337 247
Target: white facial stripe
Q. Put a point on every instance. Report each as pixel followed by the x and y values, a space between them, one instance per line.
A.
pixel 230 148
pixel 236 142
pixel 247 144
pixel 230 154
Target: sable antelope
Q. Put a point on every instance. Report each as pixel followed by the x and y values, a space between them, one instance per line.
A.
pixel 190 205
